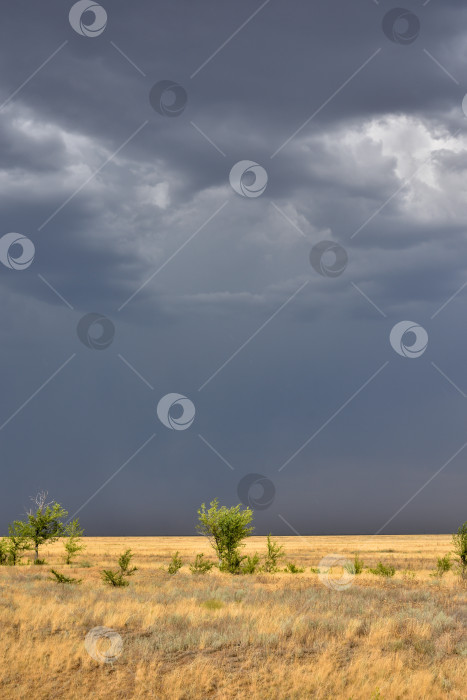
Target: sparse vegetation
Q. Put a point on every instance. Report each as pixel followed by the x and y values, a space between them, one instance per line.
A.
pixel 120 578
pixel 73 544
pixel 292 568
pixel 357 565
pixel 201 565
pixel 186 635
pixel 18 542
pixel 273 554
pixel 250 564
pixel 413 621
pixel 382 570
pixel 443 565
pixel 175 564
pixel 4 548
pixel 61 578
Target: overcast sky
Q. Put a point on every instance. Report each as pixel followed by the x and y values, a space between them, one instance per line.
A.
pixel 351 116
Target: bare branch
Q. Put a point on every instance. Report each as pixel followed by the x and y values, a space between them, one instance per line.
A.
pixel 40 500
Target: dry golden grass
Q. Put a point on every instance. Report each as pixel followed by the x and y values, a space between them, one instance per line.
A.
pixel 279 636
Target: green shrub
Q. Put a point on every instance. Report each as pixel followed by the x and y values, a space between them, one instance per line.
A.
pixel 225 528
pixel 357 564
pixel 273 554
pixel 251 564
pixel 39 562
pixel 381 570
pixel 175 564
pixel 314 570
pixel 4 551
pixel 61 578
pixel 124 562
pixel 201 565
pixel 291 568
pixel 114 578
pixel 119 578
pixel 443 564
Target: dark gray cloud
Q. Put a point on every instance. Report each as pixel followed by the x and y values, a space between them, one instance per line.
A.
pixel 133 217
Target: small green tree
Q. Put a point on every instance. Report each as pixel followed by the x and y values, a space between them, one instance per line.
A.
pixel 18 541
pixel 225 528
pixel 44 522
pixel 459 540
pixel 201 565
pixel 175 564
pixel 73 544
pixel 119 578
pixel 273 554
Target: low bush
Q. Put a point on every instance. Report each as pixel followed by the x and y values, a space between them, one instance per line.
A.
pixel 250 564
pixel 291 568
pixel 3 552
pixel 357 564
pixel 444 564
pixel 61 578
pixel 201 565
pixel 175 564
pixel 381 570
pixel 119 578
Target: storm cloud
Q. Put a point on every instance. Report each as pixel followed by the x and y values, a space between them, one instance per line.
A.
pixel 210 294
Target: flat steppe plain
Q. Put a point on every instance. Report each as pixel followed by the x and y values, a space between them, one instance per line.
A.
pixel 263 636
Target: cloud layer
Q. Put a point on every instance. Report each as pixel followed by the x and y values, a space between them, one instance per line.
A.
pixel 212 294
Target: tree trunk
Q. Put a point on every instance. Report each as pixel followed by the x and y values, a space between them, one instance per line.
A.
pixel 36 552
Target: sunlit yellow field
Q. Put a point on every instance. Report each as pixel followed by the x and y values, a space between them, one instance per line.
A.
pixel 260 636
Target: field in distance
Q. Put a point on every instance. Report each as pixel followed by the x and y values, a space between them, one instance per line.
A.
pixel 264 636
